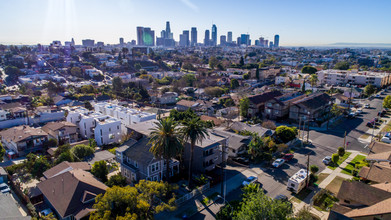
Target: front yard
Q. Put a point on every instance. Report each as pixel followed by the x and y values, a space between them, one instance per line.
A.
pixel 357 162
pixel 340 161
pixel 335 185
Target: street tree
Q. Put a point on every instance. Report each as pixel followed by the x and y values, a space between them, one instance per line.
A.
pixel 313 80
pixel 2 152
pixel 213 62
pixel 117 84
pixel 81 151
pixel 165 141
pixel 234 84
pixel 116 180
pixel 193 131
pixel 369 90
pixel 335 158
pixel 387 102
pixel 309 69
pixel 285 133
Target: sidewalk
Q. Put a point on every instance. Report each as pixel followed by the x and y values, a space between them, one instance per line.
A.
pixel 332 174
pixel 375 132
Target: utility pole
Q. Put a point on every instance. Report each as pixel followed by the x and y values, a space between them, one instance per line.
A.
pixel 308 167
pixel 224 147
pixel 308 130
pixel 344 141
pixel 350 97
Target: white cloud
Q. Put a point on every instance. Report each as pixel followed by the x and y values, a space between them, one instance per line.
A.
pixel 189 4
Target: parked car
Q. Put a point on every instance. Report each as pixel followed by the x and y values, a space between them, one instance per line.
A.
pixel 287 157
pixel 376 119
pixel 387 138
pixel 4 188
pixel 351 115
pixel 242 160
pixel 359 111
pixel 371 124
pixel 377 96
pixel 327 160
pixel 279 162
pixel 250 179
pixel 281 197
pixel 381 114
pixel 367 106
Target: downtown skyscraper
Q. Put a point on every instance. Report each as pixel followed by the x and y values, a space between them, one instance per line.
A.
pixel 193 37
pixel 206 39
pixel 276 40
pixel 166 38
pixel 145 36
pixel 214 35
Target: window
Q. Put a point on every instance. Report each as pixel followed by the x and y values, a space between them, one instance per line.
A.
pixel 269 104
pixel 101 140
pixel 135 164
pixel 153 167
pixel 101 132
pixel 109 129
pixel 292 185
pixel 118 127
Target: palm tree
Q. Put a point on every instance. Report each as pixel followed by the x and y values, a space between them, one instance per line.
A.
pixel 193 130
pixel 313 80
pixel 165 141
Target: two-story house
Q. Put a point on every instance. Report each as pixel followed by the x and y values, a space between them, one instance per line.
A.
pixel 278 107
pixel 314 107
pixel 23 139
pixel 62 131
pixel 207 153
pixel 257 102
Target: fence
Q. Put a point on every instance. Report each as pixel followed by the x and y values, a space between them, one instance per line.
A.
pixel 193 193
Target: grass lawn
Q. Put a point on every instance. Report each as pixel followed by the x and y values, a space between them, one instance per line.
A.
pixel 335 185
pixel 324 202
pixel 321 177
pixel 340 161
pixel 365 136
pixel 349 168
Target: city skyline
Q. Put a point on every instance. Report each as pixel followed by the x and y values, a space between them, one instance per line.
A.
pixel 320 23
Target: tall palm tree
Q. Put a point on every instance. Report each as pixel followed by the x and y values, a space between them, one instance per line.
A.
pixel 165 141
pixel 193 130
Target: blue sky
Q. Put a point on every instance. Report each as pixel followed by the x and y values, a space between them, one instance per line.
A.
pixel 298 22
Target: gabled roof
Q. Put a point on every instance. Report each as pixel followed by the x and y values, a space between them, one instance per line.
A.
pixel 380 208
pixel 261 131
pixel 54 126
pixel 186 103
pixel 20 133
pixel 379 147
pixel 65 192
pixel 140 152
pixel 65 167
pixel 314 101
pixel 264 97
pixel 384 156
pixel 361 192
pixel 377 172
pixel 235 141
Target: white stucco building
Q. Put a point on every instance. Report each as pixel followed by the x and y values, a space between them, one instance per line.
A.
pixel 354 77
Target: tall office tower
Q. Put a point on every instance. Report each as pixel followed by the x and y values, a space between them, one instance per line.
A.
pixel 271 44
pixel 214 35
pixel 266 43
pixel 223 40
pixel 145 36
pixel 168 31
pixel 238 41
pixel 163 34
pixel 73 42
pixel 206 39
pixel 245 39
pixel 229 37
pixel 187 36
pixel 193 36
pixel 276 40
pixel 256 42
pixel 121 41
pixel 88 43
pixel 261 41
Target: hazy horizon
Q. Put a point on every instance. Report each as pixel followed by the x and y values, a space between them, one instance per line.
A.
pixel 299 23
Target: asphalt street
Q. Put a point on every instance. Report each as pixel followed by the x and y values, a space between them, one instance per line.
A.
pixel 323 143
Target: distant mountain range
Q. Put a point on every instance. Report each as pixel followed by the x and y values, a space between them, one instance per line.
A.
pixel 377 45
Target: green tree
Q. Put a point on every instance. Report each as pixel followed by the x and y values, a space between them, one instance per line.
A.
pixel 213 62
pixel 369 90
pixel 313 80
pixel 87 89
pixel 137 66
pixel 117 84
pixel 100 170
pixel 189 79
pixel 246 76
pixel 244 104
pixel 335 158
pixel 304 214
pixel 234 83
pixel 341 151
pixel 241 62
pixel 285 133
pixel 214 91
pixel 314 169
pixel 387 102
pixel 259 206
pixel 343 65
pixel 335 110
pixel 143 201
pixel 64 156
pixel 257 73
pixel 13 73
pixel 2 152
pixel 303 87
pixel 81 151
pixel 88 105
pixel 76 71
pixel 193 131
pixel 165 141
pixel 116 180
pixel 36 165
pixel 255 146
pixel 309 69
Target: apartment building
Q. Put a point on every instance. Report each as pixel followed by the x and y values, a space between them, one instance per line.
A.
pixel 278 107
pixel 314 107
pixel 342 77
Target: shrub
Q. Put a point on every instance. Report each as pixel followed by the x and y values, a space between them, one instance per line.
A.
pixel 81 151
pixel 341 151
pixel 335 158
pixel 269 125
pixel 285 133
pixel 314 169
pixel 100 170
pixel 116 180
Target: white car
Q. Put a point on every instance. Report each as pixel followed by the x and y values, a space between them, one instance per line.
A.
pixel 277 163
pixel 359 111
pixel 4 188
pixel 387 138
pixel 327 160
pixel 250 179
pixel 367 106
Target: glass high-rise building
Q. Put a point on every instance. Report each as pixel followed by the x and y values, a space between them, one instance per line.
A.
pixel 276 40
pixel 214 35
pixel 229 37
pixel 193 36
pixel 168 31
pixel 206 39
pixel 145 36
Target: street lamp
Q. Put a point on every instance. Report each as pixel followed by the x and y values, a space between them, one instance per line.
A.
pixel 308 130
